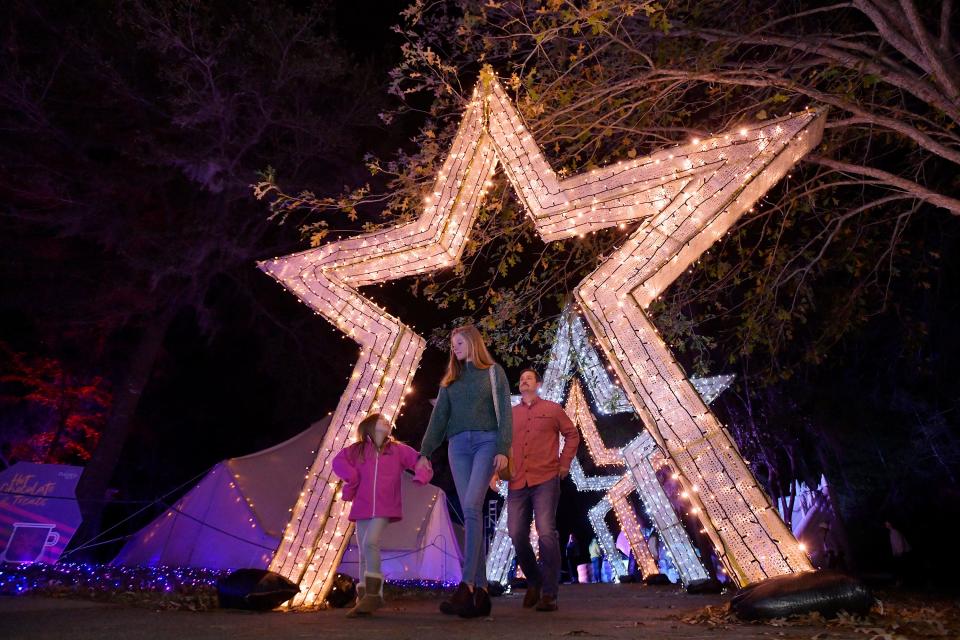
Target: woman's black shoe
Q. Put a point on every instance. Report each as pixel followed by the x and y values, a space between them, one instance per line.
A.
pixel 458 601
pixel 479 605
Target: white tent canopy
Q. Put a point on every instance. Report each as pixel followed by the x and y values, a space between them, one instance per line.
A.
pixel 236 514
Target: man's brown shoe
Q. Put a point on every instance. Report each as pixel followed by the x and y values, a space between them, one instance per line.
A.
pixel 547 603
pixel 531 598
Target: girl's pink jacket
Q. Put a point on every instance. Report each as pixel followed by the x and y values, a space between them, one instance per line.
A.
pixel 373 484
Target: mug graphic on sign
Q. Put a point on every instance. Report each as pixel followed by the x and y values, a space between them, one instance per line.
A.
pixel 28 540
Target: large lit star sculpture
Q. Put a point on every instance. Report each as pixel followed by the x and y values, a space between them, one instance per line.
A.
pixel 687 197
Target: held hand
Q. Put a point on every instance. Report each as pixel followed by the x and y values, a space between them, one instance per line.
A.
pixel 499 463
pixel 495 483
pixel 564 473
pixel 423 463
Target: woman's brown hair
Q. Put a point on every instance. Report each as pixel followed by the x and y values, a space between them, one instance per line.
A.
pixel 367 429
pixel 481 357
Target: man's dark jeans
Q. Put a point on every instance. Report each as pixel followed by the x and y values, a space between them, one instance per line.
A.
pixel 541 500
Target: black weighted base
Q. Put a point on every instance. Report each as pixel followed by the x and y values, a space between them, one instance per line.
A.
pixel 254 589
pixel 826 592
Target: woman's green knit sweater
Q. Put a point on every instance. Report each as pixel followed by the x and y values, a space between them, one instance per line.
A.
pixel 467 405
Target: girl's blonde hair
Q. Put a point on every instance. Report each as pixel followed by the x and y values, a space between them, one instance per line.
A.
pixel 367 429
pixel 481 357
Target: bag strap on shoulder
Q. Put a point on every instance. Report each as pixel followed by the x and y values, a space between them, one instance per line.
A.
pixel 493 390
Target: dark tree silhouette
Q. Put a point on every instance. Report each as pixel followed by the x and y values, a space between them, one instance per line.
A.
pixel 136 128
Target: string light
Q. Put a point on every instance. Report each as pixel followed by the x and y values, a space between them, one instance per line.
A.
pixel 597 516
pixel 687 198
pixel 638 455
pixel 617 495
pixel 579 412
pixel 89 577
pixel 572 352
pixel 501 552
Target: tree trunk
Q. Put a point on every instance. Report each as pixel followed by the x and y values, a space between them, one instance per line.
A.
pixel 96 477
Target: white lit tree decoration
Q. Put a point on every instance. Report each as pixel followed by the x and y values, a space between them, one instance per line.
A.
pixel 687 197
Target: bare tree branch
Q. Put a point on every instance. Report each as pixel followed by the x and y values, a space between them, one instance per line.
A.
pixel 950 204
pixel 946 13
pixel 940 74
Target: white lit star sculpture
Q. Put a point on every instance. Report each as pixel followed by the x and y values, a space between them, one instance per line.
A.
pixel 641 457
pixel 687 197
pixel 572 353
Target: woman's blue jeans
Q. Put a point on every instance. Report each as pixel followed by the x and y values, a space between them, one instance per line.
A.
pixel 471 456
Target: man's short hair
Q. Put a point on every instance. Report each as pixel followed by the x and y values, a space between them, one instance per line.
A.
pixel 534 372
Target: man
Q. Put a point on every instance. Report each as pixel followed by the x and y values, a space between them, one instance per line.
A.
pixel 538 467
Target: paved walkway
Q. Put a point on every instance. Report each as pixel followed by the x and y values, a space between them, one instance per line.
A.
pixel 587 611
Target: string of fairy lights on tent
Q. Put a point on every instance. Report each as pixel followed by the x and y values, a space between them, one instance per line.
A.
pixel 687 196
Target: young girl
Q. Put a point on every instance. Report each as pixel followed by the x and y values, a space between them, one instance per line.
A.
pixel 473 413
pixel 371 469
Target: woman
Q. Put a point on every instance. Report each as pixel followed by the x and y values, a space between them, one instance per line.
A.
pixel 473 412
